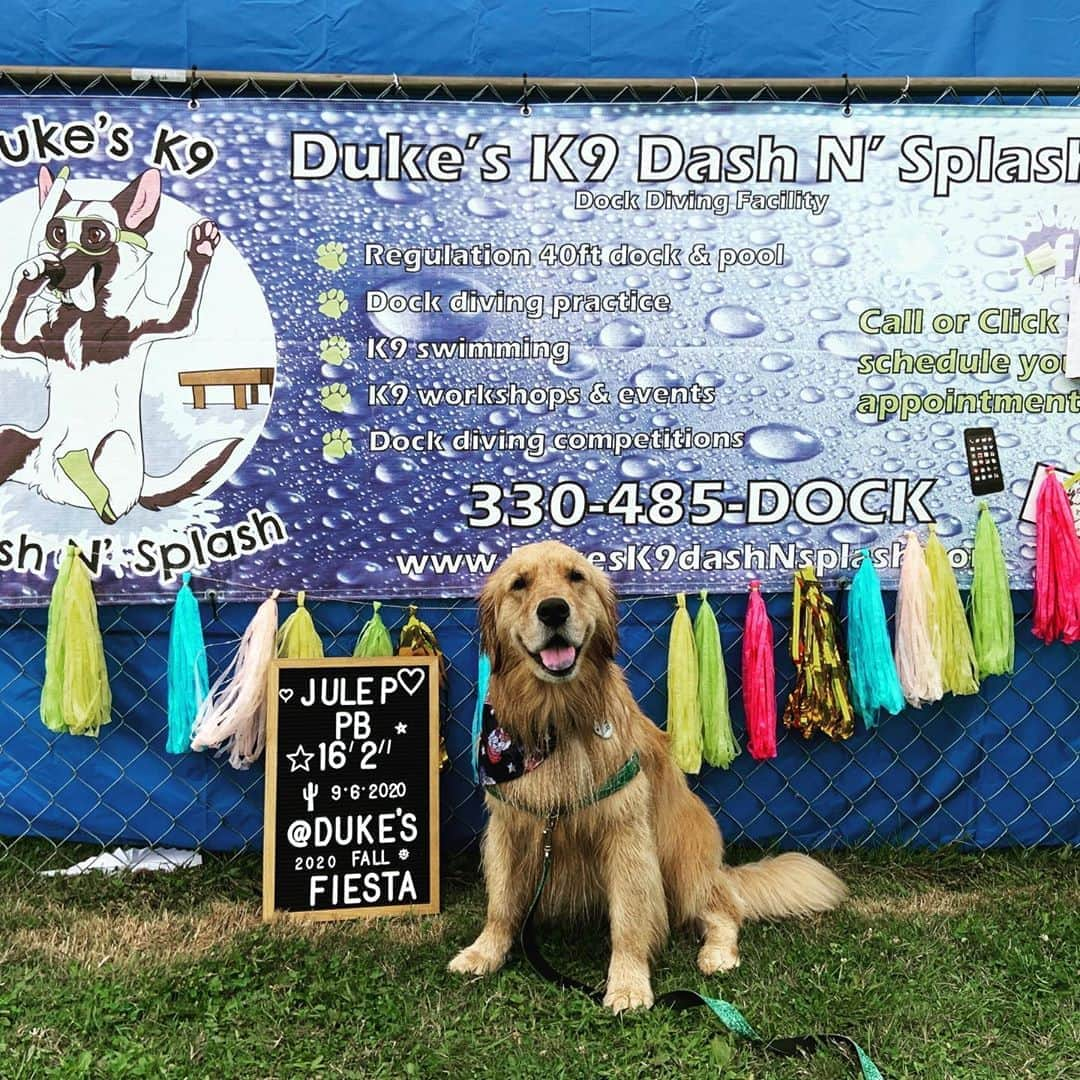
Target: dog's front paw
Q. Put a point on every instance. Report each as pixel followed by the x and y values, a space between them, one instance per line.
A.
pixel 714 958
pixel 33 270
pixel 475 960
pixel 204 239
pixel 621 998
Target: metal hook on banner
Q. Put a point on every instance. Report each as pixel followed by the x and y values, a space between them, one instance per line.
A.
pixel 907 88
pixel 398 88
pixel 693 78
pixel 193 101
pixel 526 109
pixel 847 95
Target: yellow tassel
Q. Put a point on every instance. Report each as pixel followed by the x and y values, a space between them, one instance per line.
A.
pixel 75 696
pixel 949 631
pixel 298 639
pixel 683 710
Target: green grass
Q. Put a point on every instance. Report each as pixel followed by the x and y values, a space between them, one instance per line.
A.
pixel 942 966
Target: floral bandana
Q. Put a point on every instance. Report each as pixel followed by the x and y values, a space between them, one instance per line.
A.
pixel 501 759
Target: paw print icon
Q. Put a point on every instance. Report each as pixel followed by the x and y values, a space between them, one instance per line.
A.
pixel 334 350
pixel 332 303
pixel 331 256
pixel 335 397
pixel 336 444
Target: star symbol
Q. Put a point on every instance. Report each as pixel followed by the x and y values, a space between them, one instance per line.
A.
pixel 510 767
pixel 300 759
pixel 401 729
pixel 403 854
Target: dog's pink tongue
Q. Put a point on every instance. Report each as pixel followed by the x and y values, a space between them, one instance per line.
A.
pixel 559 658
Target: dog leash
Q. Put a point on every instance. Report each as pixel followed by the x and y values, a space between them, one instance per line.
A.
pixel 677 1000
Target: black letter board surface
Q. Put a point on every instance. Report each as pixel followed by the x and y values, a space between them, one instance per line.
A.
pixel 352 788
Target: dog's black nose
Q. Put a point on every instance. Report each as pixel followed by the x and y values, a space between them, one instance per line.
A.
pixel 553 612
pixel 54 274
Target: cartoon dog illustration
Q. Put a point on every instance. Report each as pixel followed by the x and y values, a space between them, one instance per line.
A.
pixel 79 305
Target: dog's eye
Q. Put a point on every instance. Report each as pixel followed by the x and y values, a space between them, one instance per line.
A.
pixel 576 575
pixel 518 584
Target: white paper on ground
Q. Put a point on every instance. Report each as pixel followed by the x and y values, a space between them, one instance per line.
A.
pixel 135 860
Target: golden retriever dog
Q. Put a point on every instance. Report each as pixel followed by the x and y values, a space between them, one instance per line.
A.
pixel 649 856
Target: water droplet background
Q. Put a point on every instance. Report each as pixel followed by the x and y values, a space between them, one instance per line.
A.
pixel 772 344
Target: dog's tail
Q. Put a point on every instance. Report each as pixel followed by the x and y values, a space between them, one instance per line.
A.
pixel 188 477
pixel 786 885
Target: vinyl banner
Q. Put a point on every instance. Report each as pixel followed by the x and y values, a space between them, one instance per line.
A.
pixel 368 348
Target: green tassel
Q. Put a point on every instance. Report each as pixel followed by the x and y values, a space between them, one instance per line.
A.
pixel 991 602
pixel 718 740
pixel 298 639
pixel 950 636
pixel 75 695
pixel 374 639
pixel 683 711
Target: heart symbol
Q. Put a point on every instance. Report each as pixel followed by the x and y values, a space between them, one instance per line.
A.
pixel 286 693
pixel 410 679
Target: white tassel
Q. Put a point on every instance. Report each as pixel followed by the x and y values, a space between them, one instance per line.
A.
pixel 233 716
pixel 916 664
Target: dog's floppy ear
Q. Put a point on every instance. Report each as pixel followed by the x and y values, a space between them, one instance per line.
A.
pixel 607 630
pixel 489 629
pixel 137 205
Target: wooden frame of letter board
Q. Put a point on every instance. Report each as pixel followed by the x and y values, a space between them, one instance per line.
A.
pixel 270 914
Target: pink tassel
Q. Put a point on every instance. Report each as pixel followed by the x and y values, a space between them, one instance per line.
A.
pixel 759 678
pixel 916 664
pixel 1057 564
pixel 233 716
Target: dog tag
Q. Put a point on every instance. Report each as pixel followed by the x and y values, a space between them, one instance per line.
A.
pixel 604 730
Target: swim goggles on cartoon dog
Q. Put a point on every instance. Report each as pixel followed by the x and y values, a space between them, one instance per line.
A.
pixel 91 236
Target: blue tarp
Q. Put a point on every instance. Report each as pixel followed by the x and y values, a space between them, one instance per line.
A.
pixel 669 38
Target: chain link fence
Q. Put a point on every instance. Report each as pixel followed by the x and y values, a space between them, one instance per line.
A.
pixel 996 768
pixel 524 92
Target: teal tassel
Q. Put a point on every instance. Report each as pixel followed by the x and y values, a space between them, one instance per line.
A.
pixel 874 682
pixel 188 679
pixel 483 677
